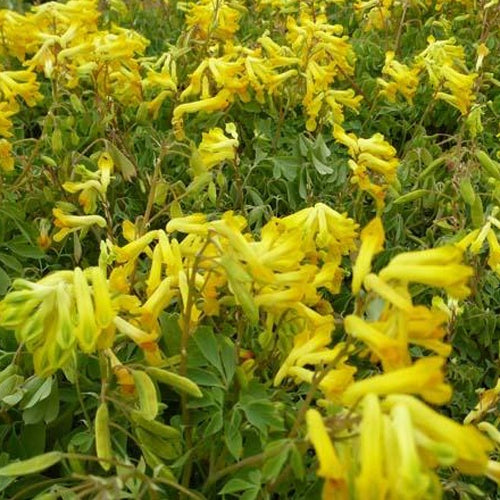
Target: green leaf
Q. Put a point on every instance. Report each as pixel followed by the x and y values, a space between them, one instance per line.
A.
pixel 235 485
pixel 207 344
pixel 297 463
pixel 4 281
pixel 27 251
pixel 41 393
pixel 288 166
pixel 320 167
pixel 273 465
pixel 228 356
pixel 261 414
pixel 32 465
pixel 204 377
pixel 232 435
pixel 11 262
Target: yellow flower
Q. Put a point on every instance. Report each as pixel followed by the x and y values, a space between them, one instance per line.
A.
pixel 404 79
pixel 7 109
pixel 482 52
pixel 469 446
pixel 393 353
pixel 494 251
pixel 103 309
pixel 217 19
pixel 398 296
pixel 439 267
pixel 6 158
pixel 86 331
pixel 20 83
pixel 133 332
pixel 330 466
pixel 72 223
pixel 132 250
pixel 488 399
pixel 105 164
pixel 190 224
pixel 216 147
pixel 412 482
pixel 425 377
pixel 372 241
pixel 219 102
pixel 371 483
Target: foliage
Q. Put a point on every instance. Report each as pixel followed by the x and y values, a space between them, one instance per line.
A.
pixel 249 249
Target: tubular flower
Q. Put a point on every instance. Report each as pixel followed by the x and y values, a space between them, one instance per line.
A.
pixel 424 377
pixel 71 223
pixel 488 399
pixel 439 267
pixel 404 80
pixel 7 110
pixel 213 19
pixel 369 157
pixel 393 353
pixel 52 317
pixel 470 447
pixel 6 158
pixel 443 61
pixel 372 241
pixel 215 148
pixel 371 483
pixel 219 102
pixel 330 466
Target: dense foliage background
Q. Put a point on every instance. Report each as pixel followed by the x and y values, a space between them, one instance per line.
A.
pixel 120 119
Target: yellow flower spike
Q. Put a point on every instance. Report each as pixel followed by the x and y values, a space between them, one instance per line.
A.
pixel 392 353
pixel 86 330
pixel 470 446
pixel 304 343
pixel 104 312
pixel 425 377
pixel 242 246
pixel 330 466
pixel 371 483
pixel 372 242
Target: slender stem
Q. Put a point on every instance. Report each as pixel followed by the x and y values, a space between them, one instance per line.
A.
pixel 400 29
